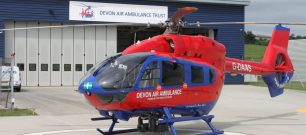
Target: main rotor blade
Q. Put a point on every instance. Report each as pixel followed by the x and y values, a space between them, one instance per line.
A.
pixel 80 25
pixel 265 23
pixel 181 12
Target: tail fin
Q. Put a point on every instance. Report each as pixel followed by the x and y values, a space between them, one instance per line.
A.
pixel 276 56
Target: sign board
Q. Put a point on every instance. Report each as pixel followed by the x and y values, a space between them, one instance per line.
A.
pixel 109 12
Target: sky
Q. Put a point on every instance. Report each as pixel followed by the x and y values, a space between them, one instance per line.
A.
pixel 276 11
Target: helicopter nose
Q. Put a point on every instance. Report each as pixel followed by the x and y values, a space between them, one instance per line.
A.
pixel 87 85
pixel 86 88
pixel 90 86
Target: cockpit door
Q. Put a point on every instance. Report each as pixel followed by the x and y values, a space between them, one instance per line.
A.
pixel 150 78
pixel 166 74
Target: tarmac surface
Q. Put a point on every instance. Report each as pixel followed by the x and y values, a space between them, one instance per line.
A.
pixel 241 109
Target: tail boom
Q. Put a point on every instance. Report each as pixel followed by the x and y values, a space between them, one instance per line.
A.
pixel 276 67
pixel 237 66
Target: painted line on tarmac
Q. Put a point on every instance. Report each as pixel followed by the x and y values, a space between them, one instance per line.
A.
pixel 60 131
pixel 201 131
pixel 301 110
pixel 86 130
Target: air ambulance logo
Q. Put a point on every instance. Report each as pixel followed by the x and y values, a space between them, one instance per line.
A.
pixel 87 12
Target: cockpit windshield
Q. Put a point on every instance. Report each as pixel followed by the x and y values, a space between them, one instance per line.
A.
pixel 95 69
pixel 120 72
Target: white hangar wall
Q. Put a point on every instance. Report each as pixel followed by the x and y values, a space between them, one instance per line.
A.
pixel 57 56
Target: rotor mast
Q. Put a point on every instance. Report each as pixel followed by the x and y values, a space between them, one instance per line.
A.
pixel 175 22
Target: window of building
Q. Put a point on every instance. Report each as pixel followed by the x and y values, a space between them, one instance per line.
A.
pixel 78 67
pixel 197 74
pixel 20 66
pixel 150 76
pixel 44 67
pixel 32 67
pixel 67 67
pixel 56 67
pixel 88 66
pixel 172 73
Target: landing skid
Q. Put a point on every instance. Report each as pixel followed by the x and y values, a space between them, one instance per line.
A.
pixel 154 124
pixel 111 128
pixel 169 120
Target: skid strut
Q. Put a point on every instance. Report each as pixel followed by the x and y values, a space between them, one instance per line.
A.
pixel 170 121
pixel 111 128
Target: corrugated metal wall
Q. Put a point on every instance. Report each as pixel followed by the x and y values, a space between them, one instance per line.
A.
pixel 57 11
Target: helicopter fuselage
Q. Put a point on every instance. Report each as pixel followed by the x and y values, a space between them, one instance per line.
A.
pixel 171 74
pixel 188 77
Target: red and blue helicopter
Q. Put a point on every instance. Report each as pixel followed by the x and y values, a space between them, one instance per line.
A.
pixel 173 75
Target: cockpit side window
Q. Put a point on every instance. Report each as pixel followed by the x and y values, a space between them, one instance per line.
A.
pixel 150 76
pixel 173 73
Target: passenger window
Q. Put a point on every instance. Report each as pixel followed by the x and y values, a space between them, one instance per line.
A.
pixel 197 74
pixel 32 67
pixel 89 66
pixel 212 75
pixel 150 76
pixel 172 74
pixel 20 66
pixel 67 67
pixel 78 67
pixel 44 67
pixel 56 67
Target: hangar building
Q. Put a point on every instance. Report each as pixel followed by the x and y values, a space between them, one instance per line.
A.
pixel 60 56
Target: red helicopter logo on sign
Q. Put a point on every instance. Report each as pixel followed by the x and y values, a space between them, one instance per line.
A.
pixel 87 12
pixel 173 74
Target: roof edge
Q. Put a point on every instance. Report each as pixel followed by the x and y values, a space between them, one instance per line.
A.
pixel 226 2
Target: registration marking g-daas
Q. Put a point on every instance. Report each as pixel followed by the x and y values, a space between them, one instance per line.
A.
pixel 241 67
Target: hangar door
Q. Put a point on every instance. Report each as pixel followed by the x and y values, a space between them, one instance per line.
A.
pixel 57 56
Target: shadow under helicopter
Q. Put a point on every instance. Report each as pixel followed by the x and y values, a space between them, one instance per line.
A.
pixel 195 127
pixel 199 127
